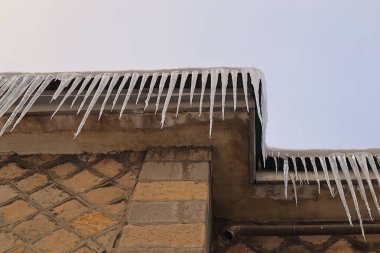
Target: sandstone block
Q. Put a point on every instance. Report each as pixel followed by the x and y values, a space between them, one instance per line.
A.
pixel 152 212
pixel 194 211
pixel 82 181
pixel 32 182
pixel 16 211
pixel 161 171
pixel 58 241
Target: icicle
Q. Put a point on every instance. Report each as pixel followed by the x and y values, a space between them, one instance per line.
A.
pixel 295 167
pixel 65 81
pixel 123 82
pixel 104 80
pixel 194 77
pixel 358 177
pixel 312 159
pixel 26 82
pixel 214 83
pixel 204 81
pixel 164 77
pixel 245 89
pixel 151 87
pixel 374 168
pixel 132 85
pixel 334 169
pixel 3 81
pixel 255 80
pixel 305 168
pixel 90 89
pixel 37 81
pixel 364 167
pixel 344 166
pixel 275 163
pixel 184 76
pixel 81 89
pixel 114 80
pixel 286 175
pixel 326 173
pixel 14 86
pixel 224 75
pixel 294 188
pixel 8 83
pixel 234 75
pixel 173 80
pixel 72 88
pixel 142 85
pixel 38 93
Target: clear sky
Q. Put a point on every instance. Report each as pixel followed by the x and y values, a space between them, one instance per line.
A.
pixel 321 58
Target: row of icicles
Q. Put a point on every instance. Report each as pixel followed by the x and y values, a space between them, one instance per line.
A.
pixel 28 88
pixel 361 165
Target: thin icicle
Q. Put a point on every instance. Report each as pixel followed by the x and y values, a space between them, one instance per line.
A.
pixel 3 81
pixel 214 83
pixel 364 167
pixel 88 92
pixel 132 85
pixel 142 85
pixel 295 167
pixel 305 168
pixel 286 176
pixel 184 76
pixel 255 81
pixel 36 82
pixel 38 93
pixel 114 80
pixel 173 80
pixel 343 164
pixel 125 79
pixel 164 77
pixel 104 80
pixel 275 163
pixel 12 89
pixel 326 173
pixel 245 87
pixel 68 93
pixel 294 188
pixel 374 167
pixel 334 169
pixel 224 75
pixel 204 81
pixel 234 75
pixel 312 159
pixel 358 177
pixel 151 87
pixel 65 81
pixel 9 83
pixel 194 77
pixel 81 89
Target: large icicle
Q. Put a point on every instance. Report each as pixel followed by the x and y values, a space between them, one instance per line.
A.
pixel 312 160
pixel 344 166
pixel 234 76
pixel 286 176
pixel 204 81
pixel 68 93
pixel 364 167
pixel 151 87
pixel 65 81
pixel 194 77
pixel 374 168
pixel 164 77
pixel 9 83
pixel 214 83
pixel 224 76
pixel 81 89
pixel 123 82
pixel 358 177
pixel 326 173
pixel 334 169
pixel 132 85
pixel 295 167
pixel 142 85
pixel 114 80
pixel 184 76
pixel 255 80
pixel 173 80
pixel 38 93
pixel 88 92
pixel 104 80
pixel 36 82
pixel 275 163
pixel 13 89
pixel 293 178
pixel 305 168
pixel 245 87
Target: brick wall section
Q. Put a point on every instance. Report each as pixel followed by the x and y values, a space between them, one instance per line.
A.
pixel 170 208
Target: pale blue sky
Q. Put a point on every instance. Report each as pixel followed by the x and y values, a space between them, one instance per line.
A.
pixel 321 58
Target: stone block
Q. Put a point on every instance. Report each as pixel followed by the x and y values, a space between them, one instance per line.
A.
pixel 11 171
pixel 128 180
pixel 108 167
pixel 192 155
pixel 316 239
pixel 341 246
pixel 82 181
pixel 152 212
pixel 22 249
pixel 8 240
pixel 92 223
pixel 163 236
pixel 161 171
pixel 171 191
pixel 64 169
pixel 59 241
pixel 103 195
pixel 16 211
pixel 49 196
pixel 198 171
pixel 117 209
pixel 194 211
pixel 69 210
pixel 6 193
pixel 36 226
pixel 32 182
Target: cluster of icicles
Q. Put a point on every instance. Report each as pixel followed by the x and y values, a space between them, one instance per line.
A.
pixel 360 163
pixel 26 88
